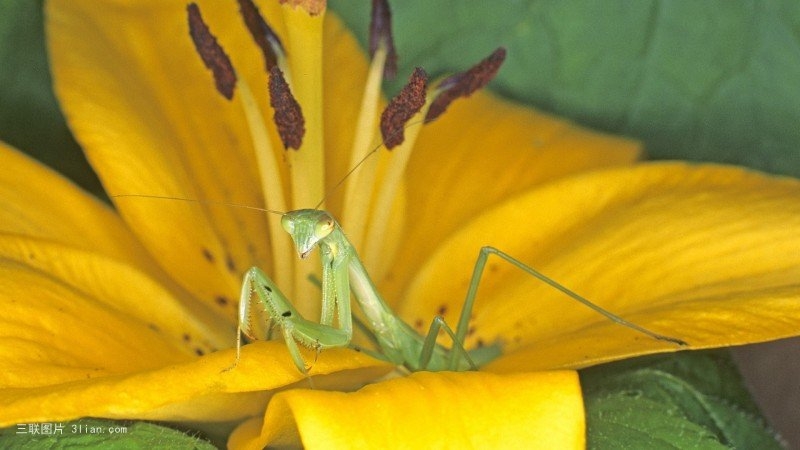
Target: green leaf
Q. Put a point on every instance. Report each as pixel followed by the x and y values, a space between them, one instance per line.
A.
pixel 687 400
pixel 29 115
pixel 98 434
pixel 714 80
pixel 621 420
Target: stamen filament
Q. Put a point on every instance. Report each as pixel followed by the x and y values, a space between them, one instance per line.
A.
pixel 271 186
pixel 391 183
pixel 306 165
pixel 304 44
pixel 360 187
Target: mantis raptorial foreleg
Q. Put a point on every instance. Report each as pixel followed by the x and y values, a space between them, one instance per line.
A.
pixel 259 291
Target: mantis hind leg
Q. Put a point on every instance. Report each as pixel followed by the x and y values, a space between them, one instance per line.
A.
pixel 458 349
pixel 477 273
pixel 270 305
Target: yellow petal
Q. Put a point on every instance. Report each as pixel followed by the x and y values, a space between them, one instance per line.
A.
pixel 482 151
pixel 71 314
pixel 144 108
pixel 428 410
pixel 85 335
pixel 59 232
pixel 38 202
pixel 700 253
pixel 201 390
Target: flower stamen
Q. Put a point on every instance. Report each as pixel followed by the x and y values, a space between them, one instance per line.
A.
pixel 410 103
pixel 266 39
pixel 271 185
pixel 360 186
pixel 288 115
pixel 303 41
pixel 380 37
pixel 311 7
pixel 272 189
pixel 402 107
pixel 212 54
pixel 465 83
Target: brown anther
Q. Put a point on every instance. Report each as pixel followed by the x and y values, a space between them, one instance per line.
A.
pixel 262 33
pixel 380 33
pixel 312 7
pixel 288 114
pixel 211 52
pixel 402 107
pixel 465 83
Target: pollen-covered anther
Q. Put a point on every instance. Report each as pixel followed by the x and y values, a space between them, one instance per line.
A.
pixel 312 7
pixel 402 107
pixel 380 34
pixel 465 83
pixel 214 57
pixel 288 114
pixel 266 39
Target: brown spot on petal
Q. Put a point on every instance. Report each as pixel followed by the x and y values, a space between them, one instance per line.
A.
pixel 288 115
pixel 208 255
pixel 442 310
pixel 402 107
pixel 465 83
pixel 212 54
pixel 230 264
pixel 222 300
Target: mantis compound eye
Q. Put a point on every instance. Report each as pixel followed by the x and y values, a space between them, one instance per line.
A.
pixel 324 226
pixel 287 222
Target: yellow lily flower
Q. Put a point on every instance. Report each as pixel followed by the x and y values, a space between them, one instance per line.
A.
pixel 130 313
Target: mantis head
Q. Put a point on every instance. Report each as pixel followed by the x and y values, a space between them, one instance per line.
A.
pixel 307 227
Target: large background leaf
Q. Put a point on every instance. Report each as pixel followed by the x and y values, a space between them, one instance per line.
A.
pixel 29 116
pixel 714 80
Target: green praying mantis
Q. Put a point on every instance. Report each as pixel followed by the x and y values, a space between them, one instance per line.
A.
pixel 343 273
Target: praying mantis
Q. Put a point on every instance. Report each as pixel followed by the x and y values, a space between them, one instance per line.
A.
pixel 343 273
